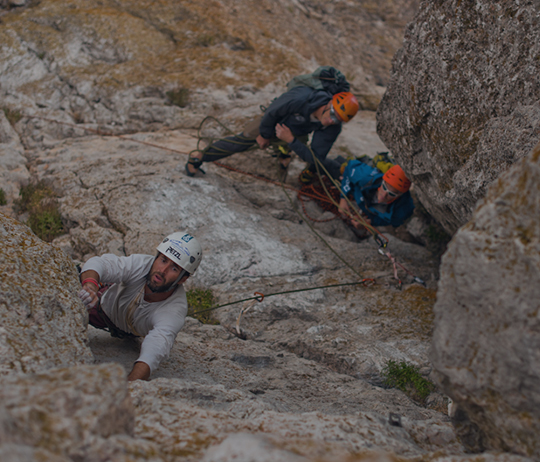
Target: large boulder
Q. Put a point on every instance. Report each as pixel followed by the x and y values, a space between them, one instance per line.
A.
pixel 43 321
pixel 78 413
pixel 487 338
pixel 462 105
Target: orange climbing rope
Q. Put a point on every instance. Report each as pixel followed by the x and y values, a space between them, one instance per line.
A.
pixel 316 192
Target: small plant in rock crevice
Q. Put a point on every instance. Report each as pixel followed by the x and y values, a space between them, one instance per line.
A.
pixel 407 378
pixel 201 299
pixel 178 97
pixel 3 200
pixel 12 115
pixel 40 202
pixel 206 40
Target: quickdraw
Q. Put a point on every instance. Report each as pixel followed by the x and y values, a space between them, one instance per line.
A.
pixel 259 297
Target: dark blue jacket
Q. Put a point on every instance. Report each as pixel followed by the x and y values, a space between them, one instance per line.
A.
pixel 293 109
pixel 362 180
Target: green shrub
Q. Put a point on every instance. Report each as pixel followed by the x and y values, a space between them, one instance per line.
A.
pixel 206 40
pixel 179 97
pixel 3 200
pixel 44 218
pixel 407 378
pixel 12 115
pixel 199 300
pixel 47 224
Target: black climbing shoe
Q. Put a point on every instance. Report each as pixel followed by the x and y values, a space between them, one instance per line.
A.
pixel 196 164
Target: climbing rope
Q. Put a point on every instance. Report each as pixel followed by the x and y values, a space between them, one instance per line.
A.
pixel 331 197
pixel 380 239
pixel 259 296
pixel 315 192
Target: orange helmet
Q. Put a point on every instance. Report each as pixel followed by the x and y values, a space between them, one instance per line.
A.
pixel 345 105
pixel 396 178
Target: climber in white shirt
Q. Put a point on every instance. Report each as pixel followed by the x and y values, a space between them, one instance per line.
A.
pixel 142 296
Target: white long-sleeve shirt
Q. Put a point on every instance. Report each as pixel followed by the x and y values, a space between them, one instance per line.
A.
pixel 124 304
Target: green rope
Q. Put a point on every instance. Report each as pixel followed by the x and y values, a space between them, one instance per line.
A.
pixel 317 234
pixel 210 140
pixel 261 297
pixel 366 225
pixel 370 228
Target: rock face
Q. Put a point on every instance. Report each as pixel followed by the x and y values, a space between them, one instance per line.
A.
pixel 43 321
pixel 77 401
pixel 77 413
pixel 122 196
pixel 222 413
pixel 462 105
pixel 138 64
pixel 299 375
pixel 487 335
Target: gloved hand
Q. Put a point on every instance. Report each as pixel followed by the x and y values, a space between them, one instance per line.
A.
pixel 89 299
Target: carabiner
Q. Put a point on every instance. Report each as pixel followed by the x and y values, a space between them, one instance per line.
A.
pixel 260 298
pixel 379 240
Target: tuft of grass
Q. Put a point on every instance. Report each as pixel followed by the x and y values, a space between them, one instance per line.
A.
pixel 407 378
pixel 3 200
pixel 206 40
pixel 44 218
pixel 179 97
pixel 201 299
pixel 12 115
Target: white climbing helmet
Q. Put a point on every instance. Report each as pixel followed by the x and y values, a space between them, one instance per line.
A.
pixel 183 249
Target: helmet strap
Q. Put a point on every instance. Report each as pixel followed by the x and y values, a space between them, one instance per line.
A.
pixel 182 274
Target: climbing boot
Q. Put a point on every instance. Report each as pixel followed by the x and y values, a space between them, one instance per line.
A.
pixel 196 164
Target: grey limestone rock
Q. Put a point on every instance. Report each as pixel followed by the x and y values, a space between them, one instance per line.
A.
pixel 486 341
pixel 64 409
pixel 43 321
pixel 462 104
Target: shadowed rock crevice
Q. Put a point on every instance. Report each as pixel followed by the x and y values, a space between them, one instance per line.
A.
pixel 486 314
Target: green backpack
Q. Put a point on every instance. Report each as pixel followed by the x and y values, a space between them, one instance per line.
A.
pixel 324 78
